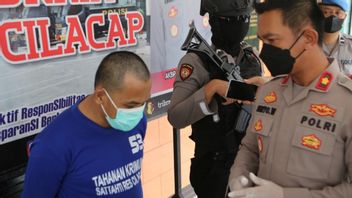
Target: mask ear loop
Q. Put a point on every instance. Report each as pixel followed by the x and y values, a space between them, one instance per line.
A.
pixel 112 102
pixel 102 107
pixel 295 44
pixel 300 54
pixel 296 41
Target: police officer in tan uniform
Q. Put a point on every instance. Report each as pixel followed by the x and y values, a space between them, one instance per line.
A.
pixel 198 98
pixel 299 141
pixel 337 44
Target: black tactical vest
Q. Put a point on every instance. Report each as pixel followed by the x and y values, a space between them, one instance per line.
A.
pixel 212 136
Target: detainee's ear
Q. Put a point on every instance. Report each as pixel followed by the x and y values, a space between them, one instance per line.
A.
pixel 311 38
pixel 98 94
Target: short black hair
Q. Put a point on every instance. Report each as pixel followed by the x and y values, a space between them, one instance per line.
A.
pixel 114 66
pixel 296 14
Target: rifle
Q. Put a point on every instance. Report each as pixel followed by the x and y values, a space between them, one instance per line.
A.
pixel 196 43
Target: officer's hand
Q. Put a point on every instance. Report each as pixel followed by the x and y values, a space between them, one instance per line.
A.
pixel 246 102
pixel 213 87
pixel 263 189
pixel 238 183
pixel 228 101
pixel 258 80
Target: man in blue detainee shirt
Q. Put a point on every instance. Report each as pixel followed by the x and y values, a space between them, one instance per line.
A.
pixel 95 148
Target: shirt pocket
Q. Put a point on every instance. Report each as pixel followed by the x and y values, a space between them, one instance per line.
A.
pixel 311 153
pixel 261 126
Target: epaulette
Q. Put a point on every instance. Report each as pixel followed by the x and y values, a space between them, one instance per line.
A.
pixel 279 77
pixel 168 1
pixel 282 78
pixel 249 61
pixel 276 81
pixel 245 45
pixel 345 82
pixel 347 36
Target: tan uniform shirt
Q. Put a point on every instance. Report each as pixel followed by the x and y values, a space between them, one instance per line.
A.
pixel 304 142
pixel 188 103
pixel 343 53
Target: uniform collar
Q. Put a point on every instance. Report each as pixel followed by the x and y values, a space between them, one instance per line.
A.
pixel 322 83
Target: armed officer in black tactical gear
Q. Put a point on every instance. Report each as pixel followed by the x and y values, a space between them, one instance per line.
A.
pixel 198 97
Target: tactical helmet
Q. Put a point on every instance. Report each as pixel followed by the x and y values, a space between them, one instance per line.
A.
pixel 226 8
pixel 343 4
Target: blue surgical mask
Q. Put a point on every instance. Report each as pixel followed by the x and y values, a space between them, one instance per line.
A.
pixel 125 119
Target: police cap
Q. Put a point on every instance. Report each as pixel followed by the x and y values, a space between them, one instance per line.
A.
pixel 228 8
pixel 343 4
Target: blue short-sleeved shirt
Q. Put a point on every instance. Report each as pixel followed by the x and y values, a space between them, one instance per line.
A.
pixel 74 157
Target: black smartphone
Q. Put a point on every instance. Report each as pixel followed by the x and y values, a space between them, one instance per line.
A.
pixel 241 90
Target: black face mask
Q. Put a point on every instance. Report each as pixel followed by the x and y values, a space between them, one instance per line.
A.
pixel 279 61
pixel 228 33
pixel 333 24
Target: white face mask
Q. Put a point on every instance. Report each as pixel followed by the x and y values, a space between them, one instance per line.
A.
pixel 125 119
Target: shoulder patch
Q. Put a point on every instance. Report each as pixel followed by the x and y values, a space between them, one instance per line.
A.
pixel 345 82
pixel 348 36
pixel 279 78
pixel 186 71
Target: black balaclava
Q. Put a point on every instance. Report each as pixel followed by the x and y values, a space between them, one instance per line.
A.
pixel 228 32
